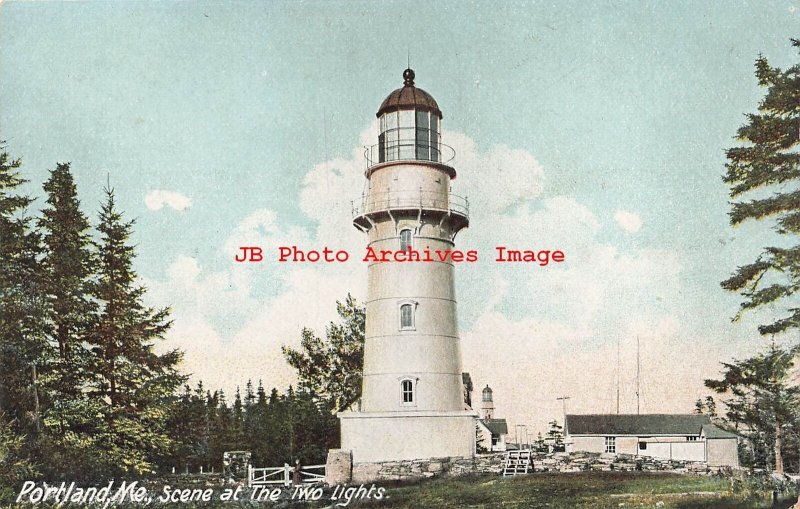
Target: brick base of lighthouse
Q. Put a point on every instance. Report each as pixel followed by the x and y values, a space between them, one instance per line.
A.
pixel 392 436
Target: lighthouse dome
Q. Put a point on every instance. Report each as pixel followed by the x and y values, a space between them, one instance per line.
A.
pixel 487 393
pixel 409 97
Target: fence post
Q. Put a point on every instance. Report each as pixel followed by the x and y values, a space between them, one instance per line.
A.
pixel 286 476
pixel 249 476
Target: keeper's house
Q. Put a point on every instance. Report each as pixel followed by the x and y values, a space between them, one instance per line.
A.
pixel 493 432
pixel 688 437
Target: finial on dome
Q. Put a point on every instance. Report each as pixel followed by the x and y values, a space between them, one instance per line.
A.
pixel 408 77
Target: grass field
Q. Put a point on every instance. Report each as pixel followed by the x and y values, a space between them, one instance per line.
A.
pixel 592 490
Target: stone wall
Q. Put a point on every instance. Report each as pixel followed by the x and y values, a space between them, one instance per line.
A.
pixel 542 462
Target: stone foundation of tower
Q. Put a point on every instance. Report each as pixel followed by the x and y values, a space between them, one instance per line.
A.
pixel 393 436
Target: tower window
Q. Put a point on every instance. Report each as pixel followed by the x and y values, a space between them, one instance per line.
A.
pixel 407 316
pixel 405 240
pixel 407 391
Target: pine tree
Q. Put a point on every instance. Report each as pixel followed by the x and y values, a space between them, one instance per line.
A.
pixel 23 348
pixel 67 262
pixel 331 368
pixel 133 382
pixel 770 162
pixel 555 436
pixel 237 423
pixel 67 274
pixel 314 429
pixel 764 403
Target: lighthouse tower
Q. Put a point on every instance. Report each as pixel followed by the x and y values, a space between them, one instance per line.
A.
pixel 487 403
pixel 412 403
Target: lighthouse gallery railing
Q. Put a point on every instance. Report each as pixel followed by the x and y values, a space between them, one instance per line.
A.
pixel 419 199
pixel 408 144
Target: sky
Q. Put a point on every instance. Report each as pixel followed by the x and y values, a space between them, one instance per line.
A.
pixel 596 128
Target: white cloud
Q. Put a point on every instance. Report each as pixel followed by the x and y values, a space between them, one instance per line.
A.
pixel 158 198
pixel 530 332
pixel 628 221
pixel 497 179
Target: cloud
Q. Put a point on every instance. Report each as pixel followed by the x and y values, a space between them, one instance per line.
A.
pixel 530 332
pixel 496 180
pixel 157 199
pixel 628 221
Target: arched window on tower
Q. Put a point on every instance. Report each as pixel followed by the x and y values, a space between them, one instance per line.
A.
pixel 407 392
pixel 406 316
pixel 405 239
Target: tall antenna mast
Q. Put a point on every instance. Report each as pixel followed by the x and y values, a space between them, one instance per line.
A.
pixel 638 373
pixel 617 375
pixel 563 400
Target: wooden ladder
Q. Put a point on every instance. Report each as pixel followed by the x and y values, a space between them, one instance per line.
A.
pixel 517 462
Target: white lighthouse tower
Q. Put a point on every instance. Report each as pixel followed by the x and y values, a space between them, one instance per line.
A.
pixel 412 403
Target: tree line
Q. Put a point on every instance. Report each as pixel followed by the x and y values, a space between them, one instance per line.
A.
pixel 85 393
pixel 82 386
pixel 276 428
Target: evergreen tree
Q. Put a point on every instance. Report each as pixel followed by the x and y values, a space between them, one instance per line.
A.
pixel 706 407
pixel 68 267
pixel 221 429
pixel 555 436
pixel 540 445
pixel 768 167
pixel 133 383
pixel 331 368
pixel 237 441
pixel 764 403
pixel 67 273
pixel 23 348
pixel 480 441
pixel 314 429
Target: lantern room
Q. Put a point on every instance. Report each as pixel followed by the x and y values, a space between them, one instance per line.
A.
pixel 410 125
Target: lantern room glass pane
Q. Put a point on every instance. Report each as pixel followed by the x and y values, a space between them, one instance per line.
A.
pixel 406 118
pixel 391 120
pixel 382 147
pixel 422 136
pixel 391 136
pixel 434 138
pixel 406 140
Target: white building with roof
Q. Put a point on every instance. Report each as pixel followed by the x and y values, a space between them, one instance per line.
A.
pixel 684 437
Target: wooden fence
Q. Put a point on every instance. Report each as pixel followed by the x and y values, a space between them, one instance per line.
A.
pixel 309 474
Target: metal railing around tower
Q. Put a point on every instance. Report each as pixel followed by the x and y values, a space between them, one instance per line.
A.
pixel 410 200
pixel 408 144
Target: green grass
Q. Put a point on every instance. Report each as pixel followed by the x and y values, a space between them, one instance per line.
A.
pixel 593 490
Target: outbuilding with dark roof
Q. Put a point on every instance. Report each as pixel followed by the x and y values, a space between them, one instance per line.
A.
pixel 686 437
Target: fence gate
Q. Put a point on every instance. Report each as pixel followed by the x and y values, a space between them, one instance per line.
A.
pixel 309 474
